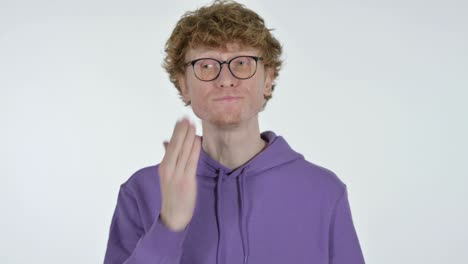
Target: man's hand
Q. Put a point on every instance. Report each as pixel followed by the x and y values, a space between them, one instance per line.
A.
pixel 177 172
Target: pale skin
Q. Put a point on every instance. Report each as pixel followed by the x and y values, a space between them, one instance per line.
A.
pixel 231 133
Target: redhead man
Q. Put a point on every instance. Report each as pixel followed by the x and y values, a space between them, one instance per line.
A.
pixel 234 195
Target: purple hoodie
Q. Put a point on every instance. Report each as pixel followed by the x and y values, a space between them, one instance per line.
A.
pixel 276 208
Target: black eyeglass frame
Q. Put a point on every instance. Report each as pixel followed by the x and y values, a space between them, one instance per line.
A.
pixel 228 62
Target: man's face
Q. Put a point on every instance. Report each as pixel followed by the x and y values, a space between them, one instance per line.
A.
pixel 205 96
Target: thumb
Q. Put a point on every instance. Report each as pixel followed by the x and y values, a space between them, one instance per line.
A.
pixel 165 143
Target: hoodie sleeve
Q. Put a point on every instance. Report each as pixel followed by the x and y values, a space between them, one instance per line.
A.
pixel 129 243
pixel 344 242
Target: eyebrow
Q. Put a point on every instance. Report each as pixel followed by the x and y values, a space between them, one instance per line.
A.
pixel 216 55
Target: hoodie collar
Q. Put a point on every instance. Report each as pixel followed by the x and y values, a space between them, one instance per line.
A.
pixel 277 152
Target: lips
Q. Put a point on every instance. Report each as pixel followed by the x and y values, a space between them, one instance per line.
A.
pixel 227 98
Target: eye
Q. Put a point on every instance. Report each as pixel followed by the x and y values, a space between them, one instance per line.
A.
pixel 207 64
pixel 242 61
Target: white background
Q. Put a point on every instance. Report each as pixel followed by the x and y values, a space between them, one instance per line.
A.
pixel 375 91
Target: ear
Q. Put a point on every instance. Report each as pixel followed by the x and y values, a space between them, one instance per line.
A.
pixel 183 87
pixel 269 77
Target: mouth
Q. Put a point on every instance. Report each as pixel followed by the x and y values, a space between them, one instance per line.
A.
pixel 228 98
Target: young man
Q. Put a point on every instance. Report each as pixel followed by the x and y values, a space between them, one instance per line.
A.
pixel 234 195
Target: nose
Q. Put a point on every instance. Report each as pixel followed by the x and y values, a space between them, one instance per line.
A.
pixel 226 78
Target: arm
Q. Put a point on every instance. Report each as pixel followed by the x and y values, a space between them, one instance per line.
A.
pixel 128 243
pixel 344 243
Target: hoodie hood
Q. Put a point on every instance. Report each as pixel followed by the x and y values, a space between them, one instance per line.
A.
pixel 276 153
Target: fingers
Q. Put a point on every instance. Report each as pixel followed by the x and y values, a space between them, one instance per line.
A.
pixel 184 152
pixel 175 144
pixel 192 163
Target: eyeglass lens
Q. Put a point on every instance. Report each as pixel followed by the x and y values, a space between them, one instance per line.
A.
pixel 241 67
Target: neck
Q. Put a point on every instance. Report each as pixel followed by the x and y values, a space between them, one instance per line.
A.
pixel 233 146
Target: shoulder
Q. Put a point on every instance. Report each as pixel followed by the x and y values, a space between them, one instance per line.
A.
pixel 141 194
pixel 143 180
pixel 320 179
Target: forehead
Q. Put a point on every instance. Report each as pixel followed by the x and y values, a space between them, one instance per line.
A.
pixel 229 50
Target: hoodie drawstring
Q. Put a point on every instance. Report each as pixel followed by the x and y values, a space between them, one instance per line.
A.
pixel 242 217
pixel 221 174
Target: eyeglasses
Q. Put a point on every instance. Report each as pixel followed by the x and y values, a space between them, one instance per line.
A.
pixel 208 69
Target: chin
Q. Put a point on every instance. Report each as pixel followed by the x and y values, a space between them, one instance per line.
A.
pixel 224 119
pixel 227 120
